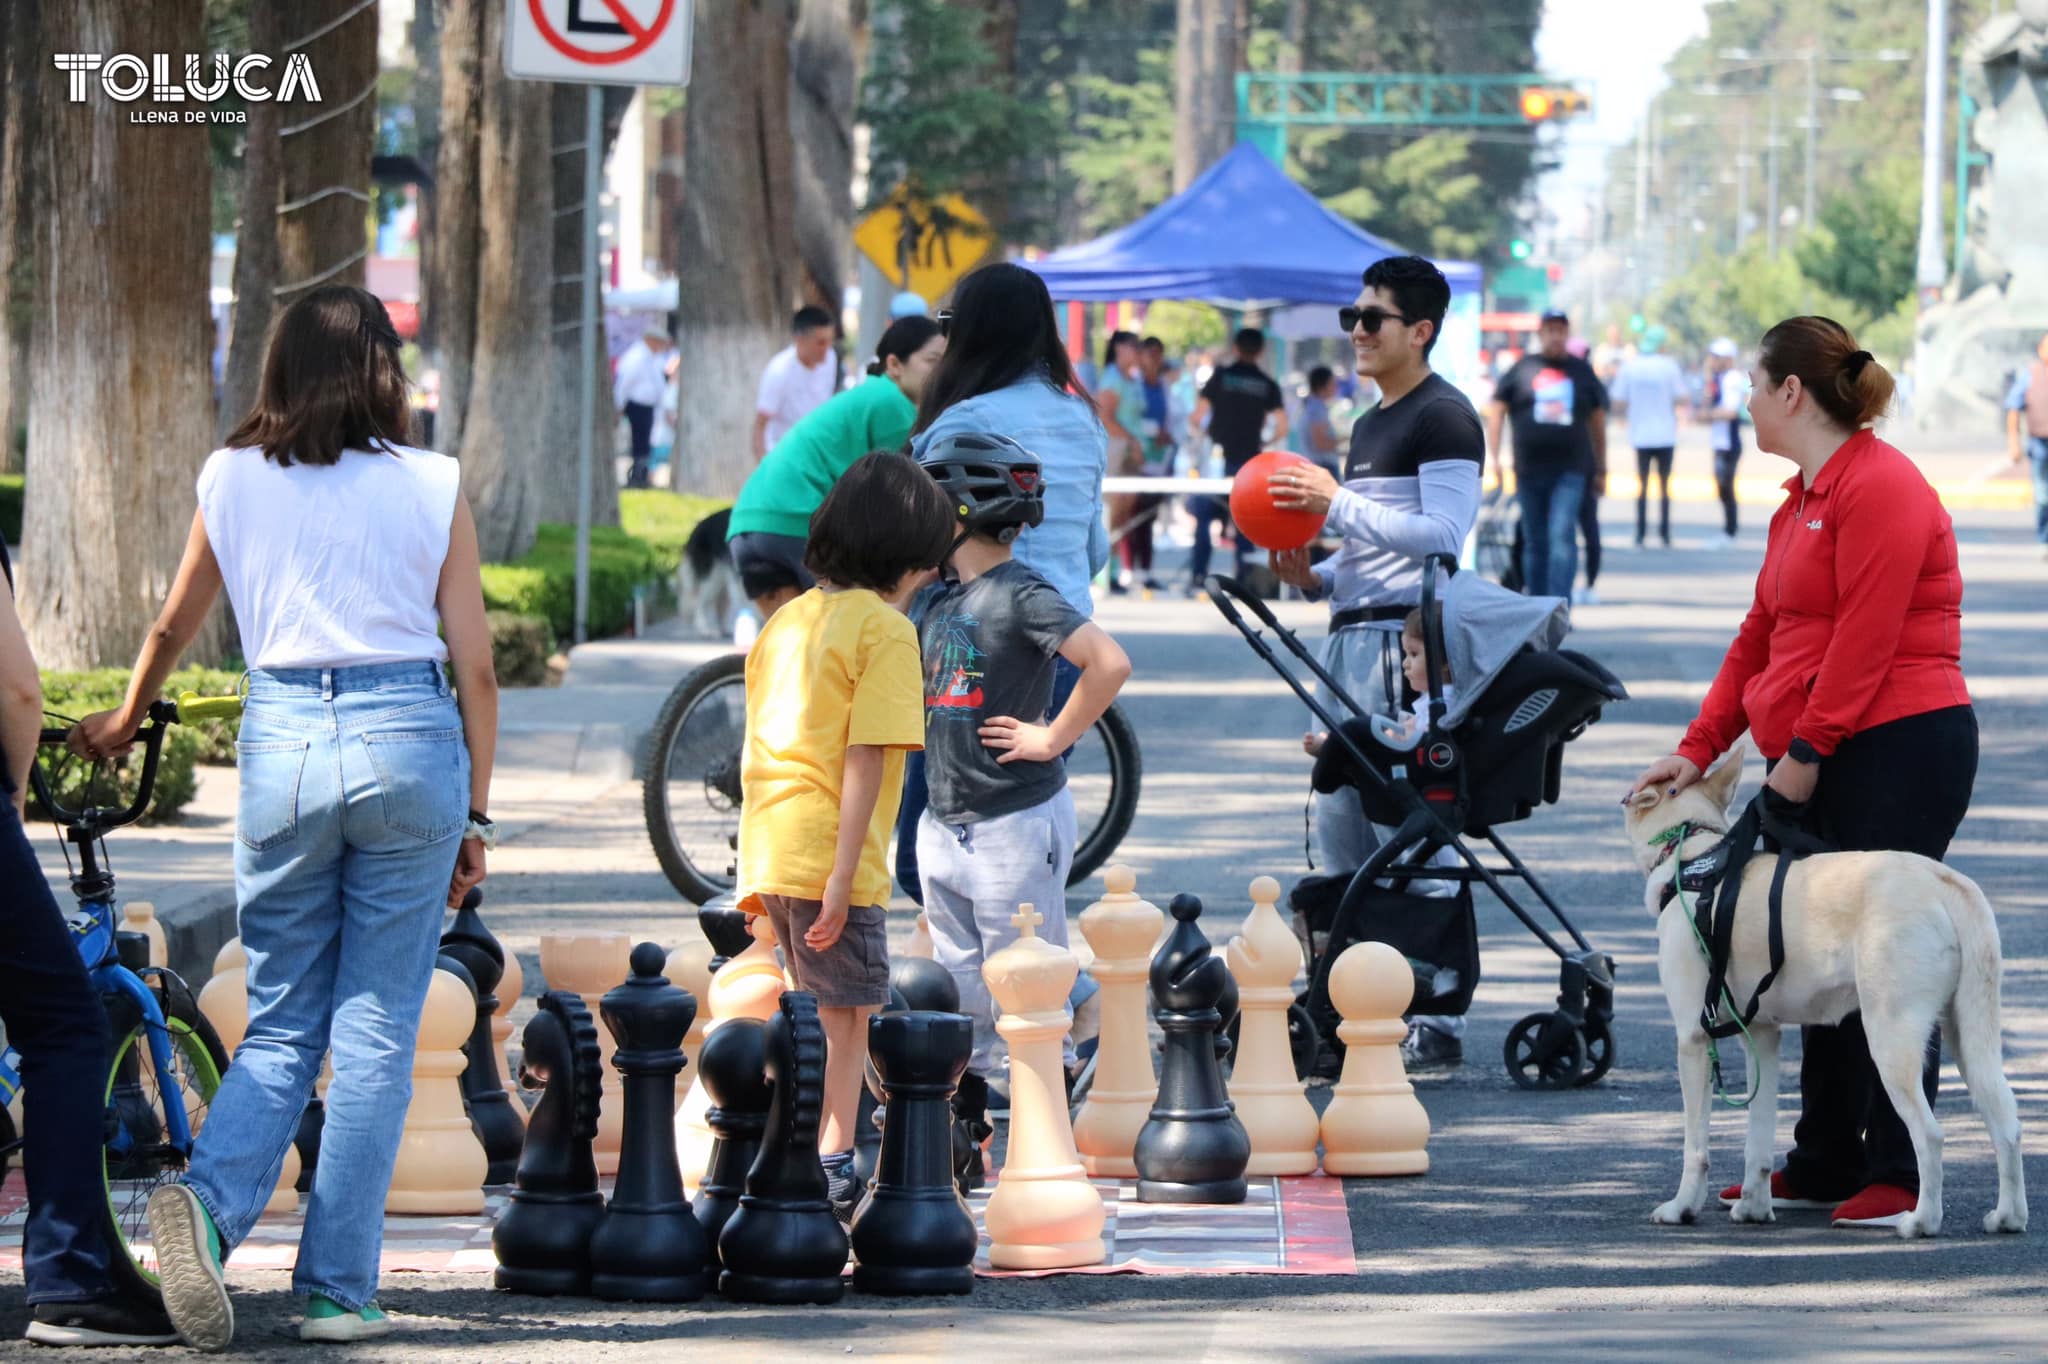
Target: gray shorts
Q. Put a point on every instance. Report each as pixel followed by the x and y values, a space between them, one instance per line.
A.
pixel 851 972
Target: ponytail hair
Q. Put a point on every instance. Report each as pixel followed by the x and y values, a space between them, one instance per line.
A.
pixel 1848 383
pixel 906 337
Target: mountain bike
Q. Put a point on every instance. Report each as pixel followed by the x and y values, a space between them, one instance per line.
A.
pixel 691 790
pixel 167 1060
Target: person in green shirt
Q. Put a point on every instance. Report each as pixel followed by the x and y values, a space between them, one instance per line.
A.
pixel 773 515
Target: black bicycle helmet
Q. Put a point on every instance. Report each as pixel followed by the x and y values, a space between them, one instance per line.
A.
pixel 997 486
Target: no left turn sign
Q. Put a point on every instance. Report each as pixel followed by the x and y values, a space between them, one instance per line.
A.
pixel 608 42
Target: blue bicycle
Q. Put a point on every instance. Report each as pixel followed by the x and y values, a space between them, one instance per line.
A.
pixel 167 1059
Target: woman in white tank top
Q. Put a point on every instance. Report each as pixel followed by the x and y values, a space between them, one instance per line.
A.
pixel 351 561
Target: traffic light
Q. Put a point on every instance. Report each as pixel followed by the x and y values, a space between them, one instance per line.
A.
pixel 1519 248
pixel 1547 103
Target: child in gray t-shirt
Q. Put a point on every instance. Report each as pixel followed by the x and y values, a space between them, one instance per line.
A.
pixel 1000 828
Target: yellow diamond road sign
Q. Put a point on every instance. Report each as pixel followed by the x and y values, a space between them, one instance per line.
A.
pixel 940 239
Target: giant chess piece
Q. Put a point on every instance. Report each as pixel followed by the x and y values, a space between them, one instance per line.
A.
pixel 1123 930
pixel 929 987
pixel 784 1245
pixel 649 1247
pixel 542 1239
pixel 509 990
pixel 1374 1125
pixel 725 927
pixel 867 1120
pixel 1192 1149
pixel 689 966
pixel 747 986
pixel 441 1165
pixel 590 964
pixel 912 1233
pixel 1044 1213
pixel 225 1002
pixel 469 942
pixel 1271 1101
pixel 733 1066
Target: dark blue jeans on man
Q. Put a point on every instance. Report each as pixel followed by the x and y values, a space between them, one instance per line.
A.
pixel 54 1019
pixel 2037 464
pixel 1551 499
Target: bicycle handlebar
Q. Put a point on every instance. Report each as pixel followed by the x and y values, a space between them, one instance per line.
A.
pixel 189 708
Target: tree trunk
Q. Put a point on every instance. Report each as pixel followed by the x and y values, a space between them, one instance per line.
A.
pixel 449 292
pixel 1209 41
pixel 20 30
pixel 120 413
pixel 822 87
pixel 324 148
pixel 426 113
pixel 740 268
pixel 256 247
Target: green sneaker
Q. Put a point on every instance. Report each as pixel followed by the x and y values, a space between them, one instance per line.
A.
pixel 328 1321
pixel 189 1265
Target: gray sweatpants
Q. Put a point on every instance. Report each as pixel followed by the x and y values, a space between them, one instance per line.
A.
pixel 1366 661
pixel 975 876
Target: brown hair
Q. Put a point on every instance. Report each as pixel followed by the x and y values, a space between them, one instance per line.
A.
pixel 1411 628
pixel 885 517
pixel 1850 386
pixel 332 381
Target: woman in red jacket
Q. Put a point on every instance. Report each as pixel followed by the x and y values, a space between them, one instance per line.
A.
pixel 1847 673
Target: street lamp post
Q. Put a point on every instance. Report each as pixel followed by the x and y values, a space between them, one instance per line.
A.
pixel 1931 274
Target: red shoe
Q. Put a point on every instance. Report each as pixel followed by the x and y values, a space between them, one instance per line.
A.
pixel 1880 1205
pixel 1784 1197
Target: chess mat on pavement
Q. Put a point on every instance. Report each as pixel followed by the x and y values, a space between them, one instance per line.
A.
pixel 1284 1226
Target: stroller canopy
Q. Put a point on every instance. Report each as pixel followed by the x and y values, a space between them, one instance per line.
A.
pixel 1485 626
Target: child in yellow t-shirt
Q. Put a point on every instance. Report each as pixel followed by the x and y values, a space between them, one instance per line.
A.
pixel 835 697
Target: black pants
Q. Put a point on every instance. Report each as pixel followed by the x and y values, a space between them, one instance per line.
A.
pixel 1900 787
pixel 1724 483
pixel 1658 458
pixel 55 1021
pixel 640 423
pixel 1589 531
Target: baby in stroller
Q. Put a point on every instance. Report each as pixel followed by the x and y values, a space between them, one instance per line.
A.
pixel 1400 732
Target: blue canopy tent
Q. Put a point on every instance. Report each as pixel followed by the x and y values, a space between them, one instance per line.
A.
pixel 1243 236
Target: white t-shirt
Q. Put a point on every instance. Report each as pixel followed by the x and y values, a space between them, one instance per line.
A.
pixel 789 391
pixel 1652 386
pixel 331 566
pixel 1731 393
pixel 641 376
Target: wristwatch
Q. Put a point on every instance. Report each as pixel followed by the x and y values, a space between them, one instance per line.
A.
pixel 482 830
pixel 1800 751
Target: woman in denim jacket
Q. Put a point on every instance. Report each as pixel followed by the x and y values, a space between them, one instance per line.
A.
pixel 351 561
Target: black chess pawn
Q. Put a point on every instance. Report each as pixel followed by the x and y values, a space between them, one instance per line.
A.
pixel 542 1239
pixel 725 927
pixel 482 957
pixel 912 1233
pixel 732 1066
pixel 925 985
pixel 784 1245
pixel 1192 1149
pixel 649 1247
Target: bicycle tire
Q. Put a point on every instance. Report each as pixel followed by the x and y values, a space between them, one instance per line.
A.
pixel 695 884
pixel 1126 775
pixel 129 1180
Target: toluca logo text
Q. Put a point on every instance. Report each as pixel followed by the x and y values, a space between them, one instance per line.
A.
pixel 125 77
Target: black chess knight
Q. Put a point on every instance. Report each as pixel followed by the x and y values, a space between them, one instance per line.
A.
pixel 542 1240
pixel 732 1065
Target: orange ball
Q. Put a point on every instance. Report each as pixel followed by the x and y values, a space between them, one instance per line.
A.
pixel 1251 505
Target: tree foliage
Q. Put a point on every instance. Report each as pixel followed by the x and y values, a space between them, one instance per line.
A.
pixel 1865 245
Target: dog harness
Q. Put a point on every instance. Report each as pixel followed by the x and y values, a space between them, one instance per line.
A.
pixel 1714 880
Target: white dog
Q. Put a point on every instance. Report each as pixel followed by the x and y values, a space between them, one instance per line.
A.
pixel 1905 939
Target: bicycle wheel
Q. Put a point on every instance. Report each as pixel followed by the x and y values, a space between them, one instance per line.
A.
pixel 691 794
pixel 139 1157
pixel 1103 772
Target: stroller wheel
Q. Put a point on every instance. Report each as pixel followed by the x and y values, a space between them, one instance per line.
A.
pixel 1599 1052
pixel 1545 1051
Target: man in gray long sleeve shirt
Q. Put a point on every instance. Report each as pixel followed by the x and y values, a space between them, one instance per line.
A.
pixel 1410 489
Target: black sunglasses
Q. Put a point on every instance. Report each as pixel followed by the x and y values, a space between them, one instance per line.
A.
pixel 1349 318
pixel 945 321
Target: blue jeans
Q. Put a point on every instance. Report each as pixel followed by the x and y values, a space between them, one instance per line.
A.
pixel 1550 529
pixel 55 1021
pixel 2037 463
pixel 354 795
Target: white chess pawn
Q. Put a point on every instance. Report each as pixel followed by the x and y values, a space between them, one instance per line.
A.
pixel 1044 1213
pixel 1271 1101
pixel 225 1002
pixel 689 966
pixel 509 987
pixel 139 916
pixel 441 1164
pixel 748 986
pixel 1122 930
pixel 591 964
pixel 1375 1125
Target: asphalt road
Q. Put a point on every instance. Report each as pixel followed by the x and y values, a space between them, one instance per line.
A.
pixel 1530 1237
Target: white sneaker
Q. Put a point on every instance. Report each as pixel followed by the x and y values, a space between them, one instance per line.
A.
pixel 1585 596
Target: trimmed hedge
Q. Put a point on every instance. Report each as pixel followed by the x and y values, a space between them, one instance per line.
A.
pixel 76 694
pixel 10 508
pixel 665 519
pixel 542 581
pixel 520 648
